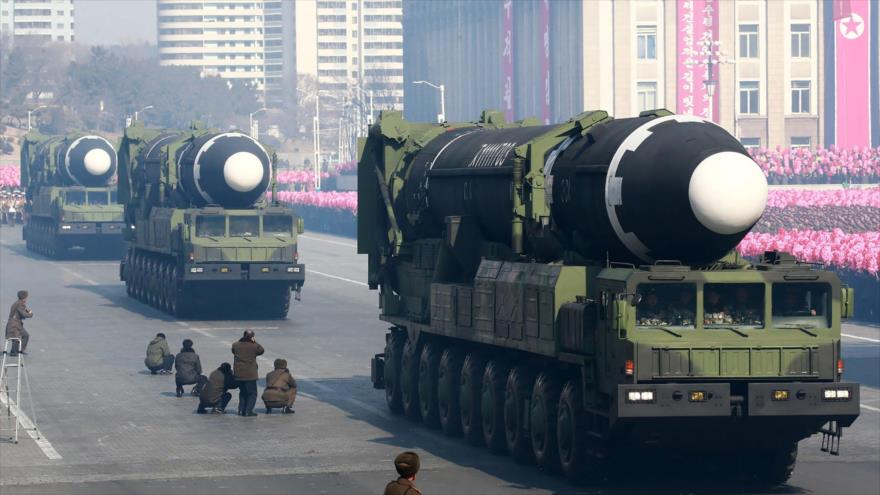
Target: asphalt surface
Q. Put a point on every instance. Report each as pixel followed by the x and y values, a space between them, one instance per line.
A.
pixel 118 429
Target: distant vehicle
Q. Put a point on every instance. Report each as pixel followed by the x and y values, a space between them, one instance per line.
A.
pixel 564 293
pixel 71 203
pixel 202 234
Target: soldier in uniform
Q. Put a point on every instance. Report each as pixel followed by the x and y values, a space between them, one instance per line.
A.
pixel 244 367
pixel 189 369
pixel 407 466
pixel 745 311
pixel 683 314
pixel 216 394
pixel 159 358
pixel 650 312
pixel 15 326
pixel 280 388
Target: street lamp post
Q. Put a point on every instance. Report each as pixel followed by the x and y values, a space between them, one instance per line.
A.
pixel 368 94
pixel 316 137
pixel 30 112
pixel 136 113
pixel 441 117
pixel 713 56
pixel 255 133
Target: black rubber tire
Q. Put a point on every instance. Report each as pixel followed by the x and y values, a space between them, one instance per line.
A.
pixel 409 380
pixel 429 368
pixel 492 406
pixel 394 342
pixel 472 370
pixel 571 434
pixel 517 395
pixel 448 391
pixel 542 422
pixel 773 466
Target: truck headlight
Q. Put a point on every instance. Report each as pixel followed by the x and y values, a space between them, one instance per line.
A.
pixel 224 269
pixel 197 269
pixel 264 269
pixel 292 269
pixel 640 396
pixel 697 396
pixel 66 227
pixel 836 394
pixel 780 395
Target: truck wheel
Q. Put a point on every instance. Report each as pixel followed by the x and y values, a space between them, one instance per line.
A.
pixel 448 381
pixel 571 433
pixel 492 406
pixel 542 424
pixel 469 398
pixel 409 380
pixel 393 352
pixel 773 466
pixel 429 364
pixel 516 431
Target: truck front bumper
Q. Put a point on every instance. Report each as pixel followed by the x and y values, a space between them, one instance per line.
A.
pixel 90 228
pixel 293 274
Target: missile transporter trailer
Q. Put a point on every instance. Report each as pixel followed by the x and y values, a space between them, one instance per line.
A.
pixel 71 203
pixel 568 293
pixel 203 237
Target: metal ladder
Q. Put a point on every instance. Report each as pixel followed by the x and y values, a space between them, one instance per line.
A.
pixel 12 418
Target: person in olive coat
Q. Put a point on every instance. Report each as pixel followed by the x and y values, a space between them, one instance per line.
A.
pixel 280 388
pixel 244 367
pixel 215 393
pixel 189 369
pixel 159 358
pixel 15 326
pixel 407 466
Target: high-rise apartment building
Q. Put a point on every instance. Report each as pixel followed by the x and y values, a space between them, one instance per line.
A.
pixel 43 20
pixel 234 39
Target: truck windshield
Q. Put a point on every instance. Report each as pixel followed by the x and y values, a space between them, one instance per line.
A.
pixel 210 226
pixel 75 198
pixel 97 197
pixel 244 226
pixel 666 305
pixel 278 225
pixel 726 305
pixel 114 194
pixel 801 304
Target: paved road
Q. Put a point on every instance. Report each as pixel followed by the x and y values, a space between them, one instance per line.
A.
pixel 120 430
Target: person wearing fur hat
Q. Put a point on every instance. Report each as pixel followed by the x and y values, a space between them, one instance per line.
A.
pixel 280 389
pixel 15 325
pixel 407 466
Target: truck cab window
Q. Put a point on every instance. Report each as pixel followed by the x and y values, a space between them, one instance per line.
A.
pixel 75 198
pixel 98 197
pixel 666 305
pixel 801 304
pixel 278 225
pixel 210 226
pixel 244 226
pixel 739 305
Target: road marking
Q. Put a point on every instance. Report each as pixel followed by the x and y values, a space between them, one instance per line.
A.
pixel 335 277
pixel 870 408
pixel 42 442
pixel 200 329
pixel 76 274
pixel 858 337
pixel 346 244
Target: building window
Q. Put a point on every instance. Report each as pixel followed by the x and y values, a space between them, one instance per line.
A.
pixel 646 96
pixel 801 141
pixel 748 41
pixel 646 42
pixel 800 40
pixel 748 97
pixel 750 143
pixel 800 97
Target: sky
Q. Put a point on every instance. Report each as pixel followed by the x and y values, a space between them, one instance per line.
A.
pixel 113 22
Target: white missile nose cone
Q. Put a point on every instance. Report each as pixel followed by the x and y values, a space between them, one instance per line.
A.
pixel 728 192
pixel 243 171
pixel 97 161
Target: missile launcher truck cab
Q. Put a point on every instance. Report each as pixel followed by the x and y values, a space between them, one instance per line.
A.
pixel 203 235
pixel 71 203
pixel 567 293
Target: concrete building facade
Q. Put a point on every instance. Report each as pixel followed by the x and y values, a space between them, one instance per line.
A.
pixel 42 20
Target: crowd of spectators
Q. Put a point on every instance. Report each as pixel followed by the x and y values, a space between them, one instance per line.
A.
pixel 831 165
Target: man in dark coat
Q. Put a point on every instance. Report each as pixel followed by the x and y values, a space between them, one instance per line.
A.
pixel 189 369
pixel 407 466
pixel 280 388
pixel 244 366
pixel 15 326
pixel 215 393
pixel 159 358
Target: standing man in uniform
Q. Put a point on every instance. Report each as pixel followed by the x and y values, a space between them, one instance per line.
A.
pixel 15 326
pixel 244 367
pixel 407 466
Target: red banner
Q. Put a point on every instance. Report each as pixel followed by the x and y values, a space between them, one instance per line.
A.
pixel 852 73
pixel 545 60
pixel 697 26
pixel 507 58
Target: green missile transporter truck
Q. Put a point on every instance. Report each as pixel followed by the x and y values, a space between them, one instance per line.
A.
pixel 570 293
pixel 71 203
pixel 203 236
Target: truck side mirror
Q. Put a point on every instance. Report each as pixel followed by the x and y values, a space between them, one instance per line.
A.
pixel 300 225
pixel 621 313
pixel 847 302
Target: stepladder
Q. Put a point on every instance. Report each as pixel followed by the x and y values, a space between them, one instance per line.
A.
pixel 13 378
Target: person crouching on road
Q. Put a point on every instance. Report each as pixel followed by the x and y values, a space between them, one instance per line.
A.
pixel 280 388
pixel 189 369
pixel 407 466
pixel 15 326
pixel 215 392
pixel 244 366
pixel 159 358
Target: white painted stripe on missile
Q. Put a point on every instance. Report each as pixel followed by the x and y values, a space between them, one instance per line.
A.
pixel 42 442
pixel 336 277
pixel 858 337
